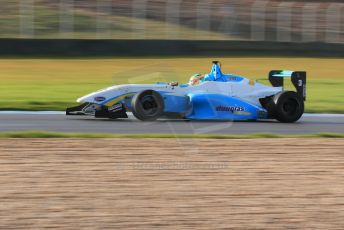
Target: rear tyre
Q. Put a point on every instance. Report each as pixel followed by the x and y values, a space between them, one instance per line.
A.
pixel 147 105
pixel 286 107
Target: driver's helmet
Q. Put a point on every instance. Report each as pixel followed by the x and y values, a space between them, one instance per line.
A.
pixel 195 79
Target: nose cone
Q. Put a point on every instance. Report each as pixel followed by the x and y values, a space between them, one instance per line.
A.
pixel 101 95
pixel 86 98
pixel 90 98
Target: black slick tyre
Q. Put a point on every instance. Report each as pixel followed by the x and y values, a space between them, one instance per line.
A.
pixel 147 105
pixel 286 107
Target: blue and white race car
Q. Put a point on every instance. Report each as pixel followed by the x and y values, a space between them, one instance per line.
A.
pixel 214 96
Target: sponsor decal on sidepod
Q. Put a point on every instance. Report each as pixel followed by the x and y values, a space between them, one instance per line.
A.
pixel 231 109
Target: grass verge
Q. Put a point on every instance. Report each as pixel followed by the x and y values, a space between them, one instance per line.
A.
pixel 44 134
pixel 54 84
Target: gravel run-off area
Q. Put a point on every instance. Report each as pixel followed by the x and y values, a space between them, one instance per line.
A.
pixel 172 184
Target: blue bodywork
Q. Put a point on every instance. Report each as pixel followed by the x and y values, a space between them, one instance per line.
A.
pixel 203 106
pixel 175 104
pixel 221 107
pixel 200 106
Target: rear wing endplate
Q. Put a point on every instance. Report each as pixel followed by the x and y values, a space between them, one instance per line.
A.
pixel 298 78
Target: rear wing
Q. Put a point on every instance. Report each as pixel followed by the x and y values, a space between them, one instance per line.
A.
pixel 298 78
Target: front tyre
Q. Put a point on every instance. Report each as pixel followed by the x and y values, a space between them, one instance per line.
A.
pixel 287 106
pixel 147 105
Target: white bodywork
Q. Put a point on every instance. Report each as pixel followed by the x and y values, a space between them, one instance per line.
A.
pixel 250 92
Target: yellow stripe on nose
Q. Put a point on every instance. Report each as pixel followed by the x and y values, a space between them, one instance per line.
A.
pixel 117 99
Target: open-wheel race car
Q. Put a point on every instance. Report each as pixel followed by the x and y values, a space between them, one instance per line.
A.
pixel 214 96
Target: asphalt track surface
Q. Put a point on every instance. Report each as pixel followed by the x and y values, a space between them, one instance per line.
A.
pixel 58 122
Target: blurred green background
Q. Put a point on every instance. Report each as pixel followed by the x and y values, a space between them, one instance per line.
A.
pixel 54 84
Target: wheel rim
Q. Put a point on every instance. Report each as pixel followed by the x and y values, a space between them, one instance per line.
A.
pixel 290 106
pixel 149 105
